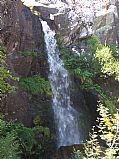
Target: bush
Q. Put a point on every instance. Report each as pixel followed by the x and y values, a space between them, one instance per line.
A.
pixel 115 50
pixel 9 147
pixel 36 85
pixel 108 132
pixel 31 142
pixel 5 75
pixel 109 64
pixel 94 43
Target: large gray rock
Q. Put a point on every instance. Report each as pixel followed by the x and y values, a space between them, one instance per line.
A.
pixel 106 25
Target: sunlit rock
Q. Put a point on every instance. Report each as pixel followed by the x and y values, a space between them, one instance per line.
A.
pixel 106 25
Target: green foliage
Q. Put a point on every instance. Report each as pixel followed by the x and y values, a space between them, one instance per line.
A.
pixel 25 138
pixel 36 85
pixel 79 155
pixel 8 144
pixel 15 137
pixel 87 67
pixel 108 131
pixel 9 147
pixel 2 49
pixel 84 66
pixel 5 75
pixel 109 64
pixel 84 75
pixel 115 50
pixel 100 61
pixel 94 43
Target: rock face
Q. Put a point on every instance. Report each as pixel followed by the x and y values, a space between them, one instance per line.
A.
pixel 20 28
pixel 20 31
pixel 106 25
pixel 117 5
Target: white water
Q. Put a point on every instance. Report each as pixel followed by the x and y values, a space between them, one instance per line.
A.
pixel 65 116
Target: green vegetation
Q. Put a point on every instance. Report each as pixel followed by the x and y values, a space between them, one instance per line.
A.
pixel 23 140
pixel 5 75
pixel 99 62
pixel 109 64
pixel 9 147
pixel 94 43
pixel 36 85
pixel 8 143
pixel 16 140
pixel 108 132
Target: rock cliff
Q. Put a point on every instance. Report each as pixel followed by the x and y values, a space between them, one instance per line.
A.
pixel 20 31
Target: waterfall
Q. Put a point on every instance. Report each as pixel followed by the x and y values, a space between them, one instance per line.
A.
pixel 65 116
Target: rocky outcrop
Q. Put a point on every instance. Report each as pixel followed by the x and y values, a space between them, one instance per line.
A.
pixel 106 25
pixel 21 31
pixel 20 28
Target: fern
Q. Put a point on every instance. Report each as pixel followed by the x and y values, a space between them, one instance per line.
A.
pixel 36 85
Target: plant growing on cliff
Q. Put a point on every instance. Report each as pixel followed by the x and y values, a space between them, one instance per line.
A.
pixel 36 85
pixel 108 132
pixel 109 64
pixel 5 75
pixel 8 144
pixel 94 43
pixel 9 147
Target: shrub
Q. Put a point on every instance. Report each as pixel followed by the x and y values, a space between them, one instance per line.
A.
pixel 30 142
pixel 109 64
pixel 8 144
pixel 9 147
pixel 94 43
pixel 108 131
pixel 35 85
pixel 115 50
pixel 5 75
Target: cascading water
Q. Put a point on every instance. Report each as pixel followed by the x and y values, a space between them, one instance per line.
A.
pixel 65 116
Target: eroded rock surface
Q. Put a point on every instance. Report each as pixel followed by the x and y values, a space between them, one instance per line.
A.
pixel 20 31
pixel 106 25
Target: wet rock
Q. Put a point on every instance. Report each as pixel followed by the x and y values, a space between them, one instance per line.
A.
pixel 67 152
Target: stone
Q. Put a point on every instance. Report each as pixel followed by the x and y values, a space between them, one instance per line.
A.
pixel 106 25
pixel 20 31
pixel 67 152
